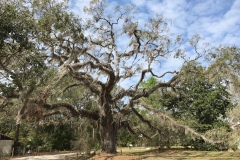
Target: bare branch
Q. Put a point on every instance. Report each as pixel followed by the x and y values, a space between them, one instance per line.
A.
pixel 145 93
pixel 86 80
pixel 142 77
pixel 70 86
pixel 102 66
pixel 73 111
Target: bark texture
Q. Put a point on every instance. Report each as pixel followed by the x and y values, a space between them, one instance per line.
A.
pixel 16 139
pixel 109 129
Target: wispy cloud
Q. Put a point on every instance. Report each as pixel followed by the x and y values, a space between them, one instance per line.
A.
pixel 77 7
pixel 217 21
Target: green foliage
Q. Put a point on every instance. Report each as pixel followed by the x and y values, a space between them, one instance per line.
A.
pixel 15 27
pixel 52 137
pixel 7 122
pixel 203 101
pixel 21 63
pixel 149 83
pixel 34 34
pixel 200 101
pixel 87 135
pixel 225 68
pixel 60 136
pixel 197 101
pixel 154 99
pixel 125 138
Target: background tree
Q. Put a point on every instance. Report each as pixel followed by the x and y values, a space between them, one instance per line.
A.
pixel 233 118
pixel 7 122
pixel 224 68
pixel 199 102
pixel 22 67
pixel 166 135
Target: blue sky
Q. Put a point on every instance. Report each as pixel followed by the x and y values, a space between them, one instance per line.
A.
pixel 217 21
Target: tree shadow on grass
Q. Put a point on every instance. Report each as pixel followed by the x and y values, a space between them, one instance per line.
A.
pixel 168 154
pixel 186 154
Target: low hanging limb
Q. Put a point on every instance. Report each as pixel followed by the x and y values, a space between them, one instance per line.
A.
pixel 126 125
pixel 172 122
pixel 145 120
pixel 75 113
pixel 56 113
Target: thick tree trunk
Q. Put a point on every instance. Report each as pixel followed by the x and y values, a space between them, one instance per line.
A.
pixel 16 139
pixel 109 131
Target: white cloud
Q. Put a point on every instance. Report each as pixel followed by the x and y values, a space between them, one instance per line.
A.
pixel 208 7
pixel 231 39
pixel 217 21
pixel 77 7
pixel 139 2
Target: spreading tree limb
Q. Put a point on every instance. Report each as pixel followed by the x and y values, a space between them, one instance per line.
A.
pixel 174 123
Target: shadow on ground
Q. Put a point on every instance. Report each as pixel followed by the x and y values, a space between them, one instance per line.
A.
pixel 173 154
pixel 181 154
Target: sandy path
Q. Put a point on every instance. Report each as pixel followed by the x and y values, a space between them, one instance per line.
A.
pixel 47 157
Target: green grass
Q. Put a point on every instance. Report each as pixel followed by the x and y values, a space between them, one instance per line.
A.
pixel 181 154
pixel 132 150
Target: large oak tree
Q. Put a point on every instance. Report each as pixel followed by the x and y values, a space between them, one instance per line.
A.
pixel 99 55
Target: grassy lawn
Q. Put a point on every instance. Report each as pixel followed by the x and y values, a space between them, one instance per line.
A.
pixel 196 155
pixel 179 154
pixel 133 149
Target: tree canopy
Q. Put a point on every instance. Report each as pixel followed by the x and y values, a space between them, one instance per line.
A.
pixel 55 63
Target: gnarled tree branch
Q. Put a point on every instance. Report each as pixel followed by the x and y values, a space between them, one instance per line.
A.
pixel 175 124
pixel 75 113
